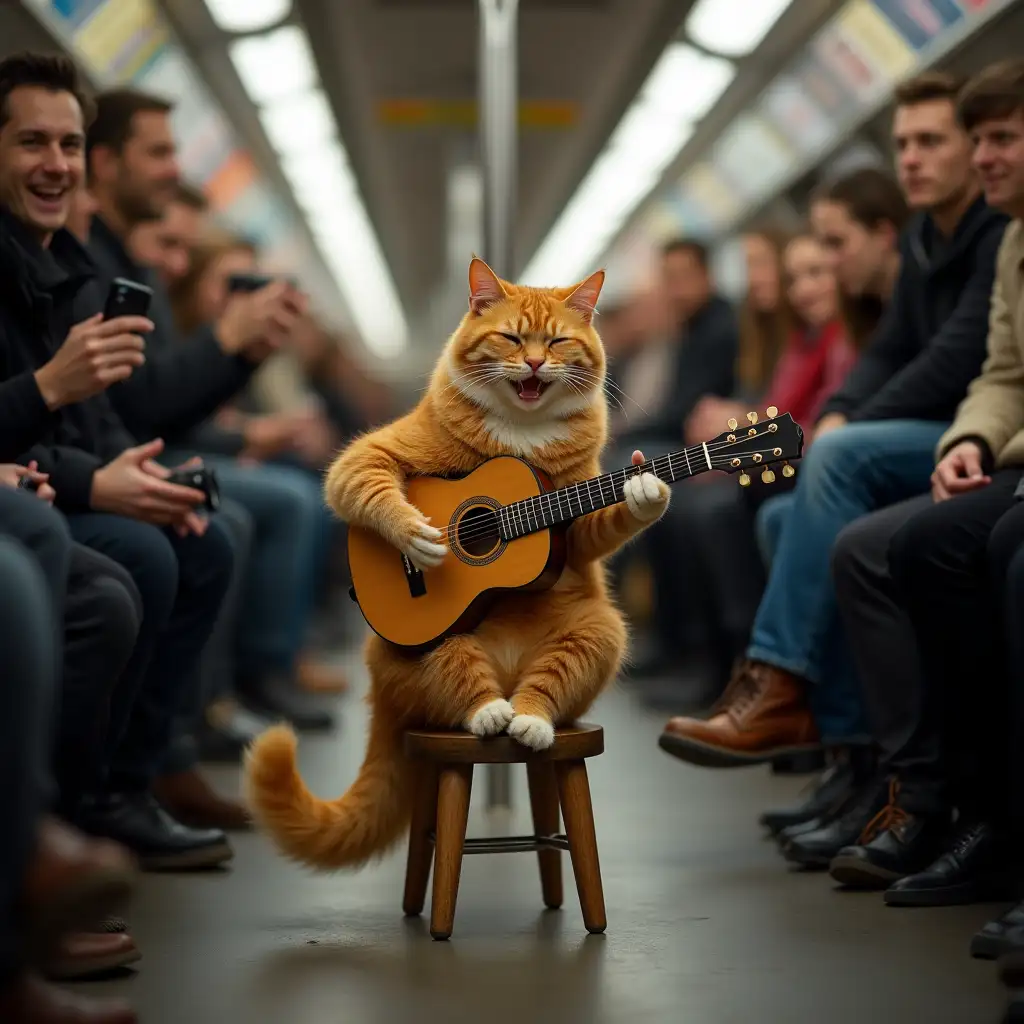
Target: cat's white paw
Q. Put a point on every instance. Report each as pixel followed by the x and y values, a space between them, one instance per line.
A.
pixel 424 548
pixel 532 731
pixel 646 497
pixel 491 719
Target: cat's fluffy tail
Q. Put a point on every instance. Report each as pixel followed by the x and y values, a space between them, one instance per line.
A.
pixel 329 834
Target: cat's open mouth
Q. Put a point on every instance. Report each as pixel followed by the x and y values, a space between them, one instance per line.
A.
pixel 531 389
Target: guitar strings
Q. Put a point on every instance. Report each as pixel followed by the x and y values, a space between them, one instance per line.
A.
pixel 484 529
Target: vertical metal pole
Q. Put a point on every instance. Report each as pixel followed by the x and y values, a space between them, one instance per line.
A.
pixel 499 115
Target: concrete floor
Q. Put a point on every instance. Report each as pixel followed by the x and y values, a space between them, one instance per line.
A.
pixel 706 924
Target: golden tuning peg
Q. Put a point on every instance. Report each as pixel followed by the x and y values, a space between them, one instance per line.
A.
pixel 767 477
pixel 744 479
pixel 788 470
pixel 772 412
pixel 732 424
pixel 751 417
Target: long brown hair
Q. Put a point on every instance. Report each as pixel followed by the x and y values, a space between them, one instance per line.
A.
pixel 185 291
pixel 870 197
pixel 763 333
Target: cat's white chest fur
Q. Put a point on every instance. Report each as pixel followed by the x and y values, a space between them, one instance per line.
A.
pixel 524 438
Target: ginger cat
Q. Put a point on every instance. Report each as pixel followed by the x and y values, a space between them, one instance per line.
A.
pixel 522 375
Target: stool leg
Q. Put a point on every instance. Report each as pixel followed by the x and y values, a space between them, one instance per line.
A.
pixel 454 787
pixel 574 790
pixel 421 849
pixel 544 803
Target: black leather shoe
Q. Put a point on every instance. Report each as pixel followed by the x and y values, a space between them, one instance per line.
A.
pixel 1003 935
pixel 970 870
pixel 159 842
pixel 277 698
pixel 895 844
pixel 817 848
pixel 831 790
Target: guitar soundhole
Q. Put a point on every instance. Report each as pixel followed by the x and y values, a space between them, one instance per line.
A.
pixel 478 532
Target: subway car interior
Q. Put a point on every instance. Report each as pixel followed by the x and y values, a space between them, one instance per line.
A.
pixel 438 306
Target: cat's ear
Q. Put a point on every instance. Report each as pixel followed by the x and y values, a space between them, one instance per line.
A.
pixel 583 298
pixel 484 286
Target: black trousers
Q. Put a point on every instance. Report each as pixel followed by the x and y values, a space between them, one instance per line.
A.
pixel 27 690
pixel 182 582
pixel 102 618
pixel 949 564
pixel 883 644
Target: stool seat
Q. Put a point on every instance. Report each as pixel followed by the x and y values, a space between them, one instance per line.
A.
pixel 571 744
pixel 559 789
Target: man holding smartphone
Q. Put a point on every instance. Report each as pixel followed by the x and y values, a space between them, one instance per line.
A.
pixel 58 353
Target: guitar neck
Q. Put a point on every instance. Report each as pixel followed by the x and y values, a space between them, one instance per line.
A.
pixel 568 503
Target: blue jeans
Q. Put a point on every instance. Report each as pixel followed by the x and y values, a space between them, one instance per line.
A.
pixel 848 473
pixel 286 560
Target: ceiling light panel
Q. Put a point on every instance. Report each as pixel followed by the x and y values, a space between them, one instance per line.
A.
pixel 248 15
pixel 298 123
pixel 274 65
pixel 681 89
pixel 733 28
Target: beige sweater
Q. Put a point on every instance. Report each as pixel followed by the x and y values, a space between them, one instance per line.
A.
pixel 994 407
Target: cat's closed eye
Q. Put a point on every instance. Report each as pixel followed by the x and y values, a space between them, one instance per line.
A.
pixel 514 338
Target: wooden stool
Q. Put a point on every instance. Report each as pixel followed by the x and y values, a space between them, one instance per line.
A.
pixel 555 776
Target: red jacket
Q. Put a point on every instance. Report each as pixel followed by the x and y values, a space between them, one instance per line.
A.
pixel 809 370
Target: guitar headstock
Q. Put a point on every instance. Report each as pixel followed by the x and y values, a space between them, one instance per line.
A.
pixel 760 445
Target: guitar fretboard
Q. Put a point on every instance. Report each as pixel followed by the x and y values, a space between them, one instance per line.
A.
pixel 567 503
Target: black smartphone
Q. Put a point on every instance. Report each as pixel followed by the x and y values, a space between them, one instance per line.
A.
pixel 248 282
pixel 127 298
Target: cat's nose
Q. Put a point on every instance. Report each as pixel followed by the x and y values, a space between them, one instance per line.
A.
pixel 534 364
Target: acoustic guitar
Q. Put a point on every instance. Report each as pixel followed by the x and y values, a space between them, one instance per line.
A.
pixel 505 528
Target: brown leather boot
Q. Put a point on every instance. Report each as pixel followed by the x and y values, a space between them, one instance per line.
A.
pixel 31 1001
pixel 84 955
pixel 190 799
pixel 72 883
pixel 762 715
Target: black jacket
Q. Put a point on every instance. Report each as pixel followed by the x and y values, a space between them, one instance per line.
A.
pixel 704 364
pixel 931 342
pixel 183 382
pixel 43 294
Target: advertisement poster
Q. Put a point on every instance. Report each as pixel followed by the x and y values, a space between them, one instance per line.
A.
pixel 920 22
pixel 841 55
pixel 752 157
pixel 876 40
pixel 796 117
pixel 825 89
pixel 121 38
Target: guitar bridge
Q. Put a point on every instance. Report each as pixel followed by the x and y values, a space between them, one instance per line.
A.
pixel 415 578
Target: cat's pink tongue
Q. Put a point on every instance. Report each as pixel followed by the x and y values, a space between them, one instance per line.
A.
pixel 529 389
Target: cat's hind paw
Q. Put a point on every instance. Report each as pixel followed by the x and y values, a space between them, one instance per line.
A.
pixel 532 731
pixel 490 719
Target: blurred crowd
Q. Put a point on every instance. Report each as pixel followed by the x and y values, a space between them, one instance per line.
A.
pixel 863 616
pixel 172 581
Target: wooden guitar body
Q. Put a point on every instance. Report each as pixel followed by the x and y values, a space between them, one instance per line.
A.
pixel 418 610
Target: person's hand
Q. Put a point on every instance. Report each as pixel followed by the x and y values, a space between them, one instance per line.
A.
pixel 11 475
pixel 709 417
pixel 959 471
pixel 833 421
pixel 267 436
pixel 192 521
pixel 258 323
pixel 96 354
pixel 315 440
pixel 133 485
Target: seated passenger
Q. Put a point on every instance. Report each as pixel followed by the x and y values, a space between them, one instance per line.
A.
pixel 874 444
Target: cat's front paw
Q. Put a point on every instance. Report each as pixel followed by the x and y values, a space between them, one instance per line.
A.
pixel 423 544
pixel 532 731
pixel 491 719
pixel 646 497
